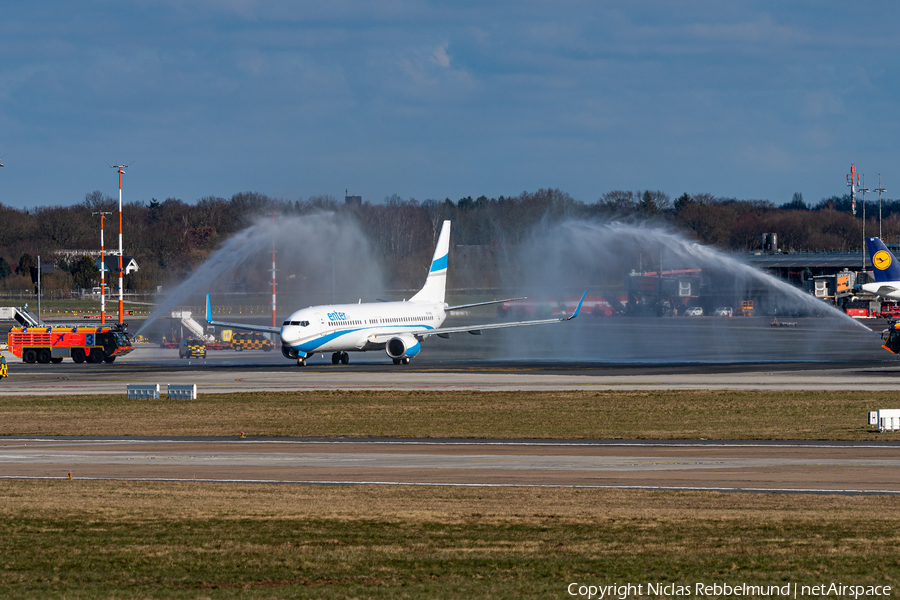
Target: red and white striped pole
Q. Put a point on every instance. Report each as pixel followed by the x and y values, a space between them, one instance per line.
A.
pixel 121 169
pixel 102 270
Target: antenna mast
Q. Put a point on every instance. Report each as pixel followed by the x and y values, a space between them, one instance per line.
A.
pixel 102 270
pixel 853 181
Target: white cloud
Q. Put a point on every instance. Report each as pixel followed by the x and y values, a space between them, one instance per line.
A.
pixel 822 104
pixel 768 157
pixel 439 56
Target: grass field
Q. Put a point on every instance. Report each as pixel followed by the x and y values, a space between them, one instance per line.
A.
pixel 153 540
pixel 592 415
pixel 104 539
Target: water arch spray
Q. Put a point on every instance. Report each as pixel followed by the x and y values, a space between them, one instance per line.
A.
pixel 308 246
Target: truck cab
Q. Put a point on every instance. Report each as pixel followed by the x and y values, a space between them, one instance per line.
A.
pixel 891 337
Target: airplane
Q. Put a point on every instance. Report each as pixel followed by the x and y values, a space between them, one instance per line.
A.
pixel 395 327
pixel 885 268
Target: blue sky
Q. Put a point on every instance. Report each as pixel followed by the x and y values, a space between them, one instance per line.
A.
pixel 446 99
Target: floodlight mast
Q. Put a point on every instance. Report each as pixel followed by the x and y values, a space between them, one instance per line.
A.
pixel 102 270
pixel 880 191
pixel 863 190
pixel 121 170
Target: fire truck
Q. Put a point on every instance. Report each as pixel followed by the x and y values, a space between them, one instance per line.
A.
pixel 50 344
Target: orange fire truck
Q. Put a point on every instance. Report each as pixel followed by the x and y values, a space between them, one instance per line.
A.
pixel 91 343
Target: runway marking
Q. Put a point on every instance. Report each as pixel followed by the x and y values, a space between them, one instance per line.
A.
pixel 839 492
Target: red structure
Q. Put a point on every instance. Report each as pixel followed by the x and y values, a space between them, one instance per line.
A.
pixel 94 344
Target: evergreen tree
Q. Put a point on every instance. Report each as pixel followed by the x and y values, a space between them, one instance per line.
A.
pixel 26 263
pixel 84 272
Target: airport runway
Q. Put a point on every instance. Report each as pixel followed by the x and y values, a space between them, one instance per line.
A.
pixel 808 467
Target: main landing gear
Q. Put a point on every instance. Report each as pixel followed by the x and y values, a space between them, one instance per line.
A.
pixel 340 357
pixel 404 361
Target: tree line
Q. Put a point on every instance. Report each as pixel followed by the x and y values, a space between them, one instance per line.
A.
pixel 169 238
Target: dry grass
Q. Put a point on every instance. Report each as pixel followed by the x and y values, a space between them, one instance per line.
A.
pixel 150 501
pixel 612 414
pixel 164 540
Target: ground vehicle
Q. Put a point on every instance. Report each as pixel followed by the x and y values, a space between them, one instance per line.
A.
pixel 724 311
pixel 91 343
pixel 538 308
pixel 4 372
pixel 251 340
pixel 747 308
pixel 890 311
pixel 694 311
pixel 192 348
pixel 891 336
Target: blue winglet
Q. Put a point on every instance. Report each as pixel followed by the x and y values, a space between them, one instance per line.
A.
pixel 208 310
pixel 577 308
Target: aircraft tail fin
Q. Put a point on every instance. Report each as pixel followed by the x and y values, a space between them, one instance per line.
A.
pixel 436 283
pixel 884 263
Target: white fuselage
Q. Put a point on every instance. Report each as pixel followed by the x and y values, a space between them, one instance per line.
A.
pixel 887 289
pixel 355 327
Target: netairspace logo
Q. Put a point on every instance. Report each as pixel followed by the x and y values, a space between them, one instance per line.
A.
pixel 790 590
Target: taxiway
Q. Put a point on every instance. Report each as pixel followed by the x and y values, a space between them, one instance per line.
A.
pixel 807 467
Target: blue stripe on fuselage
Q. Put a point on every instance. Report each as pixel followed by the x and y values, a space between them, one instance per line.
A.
pixel 318 342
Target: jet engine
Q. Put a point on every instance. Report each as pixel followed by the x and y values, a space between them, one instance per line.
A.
pixel 402 346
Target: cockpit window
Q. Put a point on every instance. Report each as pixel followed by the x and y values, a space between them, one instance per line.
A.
pixel 300 323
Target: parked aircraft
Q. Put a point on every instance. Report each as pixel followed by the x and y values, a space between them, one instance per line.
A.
pixel 887 283
pixel 885 268
pixel 395 327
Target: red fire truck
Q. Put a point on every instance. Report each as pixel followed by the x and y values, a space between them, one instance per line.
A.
pixel 91 343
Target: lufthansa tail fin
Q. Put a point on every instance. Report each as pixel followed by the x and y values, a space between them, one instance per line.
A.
pixel 884 263
pixel 436 283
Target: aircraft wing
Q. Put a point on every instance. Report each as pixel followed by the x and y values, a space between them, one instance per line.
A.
pixel 260 328
pixel 459 306
pixel 477 329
